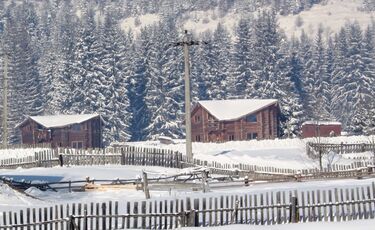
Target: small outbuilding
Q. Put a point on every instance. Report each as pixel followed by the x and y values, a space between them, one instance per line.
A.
pixel 69 131
pixel 321 129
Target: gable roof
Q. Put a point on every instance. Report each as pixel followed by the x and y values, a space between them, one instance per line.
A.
pixel 55 121
pixel 225 110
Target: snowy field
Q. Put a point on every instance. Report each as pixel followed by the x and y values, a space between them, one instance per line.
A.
pixel 12 200
pixel 283 153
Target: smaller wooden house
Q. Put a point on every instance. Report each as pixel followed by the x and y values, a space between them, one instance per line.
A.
pixel 321 129
pixel 70 131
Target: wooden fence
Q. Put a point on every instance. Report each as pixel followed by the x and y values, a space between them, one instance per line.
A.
pixel 270 208
pixel 42 158
pixel 313 148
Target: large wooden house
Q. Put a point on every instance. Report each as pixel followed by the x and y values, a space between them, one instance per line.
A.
pixel 231 120
pixel 71 131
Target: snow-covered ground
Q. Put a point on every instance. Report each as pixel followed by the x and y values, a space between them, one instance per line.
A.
pixel 12 200
pixel 280 153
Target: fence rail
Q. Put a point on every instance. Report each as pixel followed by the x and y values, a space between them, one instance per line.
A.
pixel 270 208
pixel 313 148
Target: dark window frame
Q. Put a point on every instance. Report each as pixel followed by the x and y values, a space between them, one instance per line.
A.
pixel 251 118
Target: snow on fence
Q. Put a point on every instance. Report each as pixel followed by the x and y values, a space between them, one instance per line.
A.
pixel 270 208
pixel 313 148
pixel 26 146
pixel 41 158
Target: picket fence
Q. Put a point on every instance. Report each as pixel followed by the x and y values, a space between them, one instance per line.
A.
pixel 131 155
pixel 270 208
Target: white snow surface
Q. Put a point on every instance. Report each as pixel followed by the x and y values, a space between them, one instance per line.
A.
pixel 331 15
pixel 62 120
pixel 321 123
pixel 225 110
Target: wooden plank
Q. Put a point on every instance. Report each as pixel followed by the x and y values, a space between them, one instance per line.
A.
pixel 204 208
pixel 4 219
pixel 110 214
pixel 330 209
pixel 256 220
pixel 303 209
pixel 319 200
pixel 221 219
pixel 116 214
pixel 177 218
pixel 364 204
pixel 278 208
pixel 370 204
pixel 161 216
pixel 45 214
pixel 150 211
pixel 143 211
pixel 337 208
pixel 262 219
pixel 135 213
pixel 156 226
pixel 210 207
pixel 171 211
pixel 227 213
pixel 285 219
pixel 21 218
pixel 128 212
pixel 353 213
pixel 360 210
pixel 97 213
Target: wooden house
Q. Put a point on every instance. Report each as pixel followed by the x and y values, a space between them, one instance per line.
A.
pixel 232 120
pixel 321 129
pixel 70 131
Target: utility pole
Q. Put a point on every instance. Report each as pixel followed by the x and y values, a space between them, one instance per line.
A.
pixel 5 101
pixel 186 43
pixel 5 92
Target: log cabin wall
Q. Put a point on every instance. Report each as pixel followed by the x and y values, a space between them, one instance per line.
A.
pixel 87 134
pixel 206 128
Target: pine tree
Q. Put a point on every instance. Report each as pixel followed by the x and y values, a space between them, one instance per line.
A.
pixel 242 63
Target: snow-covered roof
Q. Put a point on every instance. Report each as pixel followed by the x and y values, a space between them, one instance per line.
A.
pixel 225 110
pixel 321 123
pixel 54 121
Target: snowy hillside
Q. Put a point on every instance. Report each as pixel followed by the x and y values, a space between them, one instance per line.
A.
pixel 330 14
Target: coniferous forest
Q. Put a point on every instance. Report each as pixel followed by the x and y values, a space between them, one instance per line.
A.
pixel 72 56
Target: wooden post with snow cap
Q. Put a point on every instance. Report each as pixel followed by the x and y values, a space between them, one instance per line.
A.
pixel 145 185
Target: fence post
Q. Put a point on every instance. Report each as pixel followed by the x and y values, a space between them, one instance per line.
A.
pixel 122 156
pixel 294 215
pixel 145 185
pixel 72 224
pixel 61 160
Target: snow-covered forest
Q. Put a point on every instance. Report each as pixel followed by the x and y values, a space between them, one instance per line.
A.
pixel 73 56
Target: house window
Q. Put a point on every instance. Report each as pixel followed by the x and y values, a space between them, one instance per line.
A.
pixel 252 136
pixel 197 119
pixel 198 138
pixel 251 118
pixel 231 137
pixel 210 118
pixel 76 127
pixel 77 144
